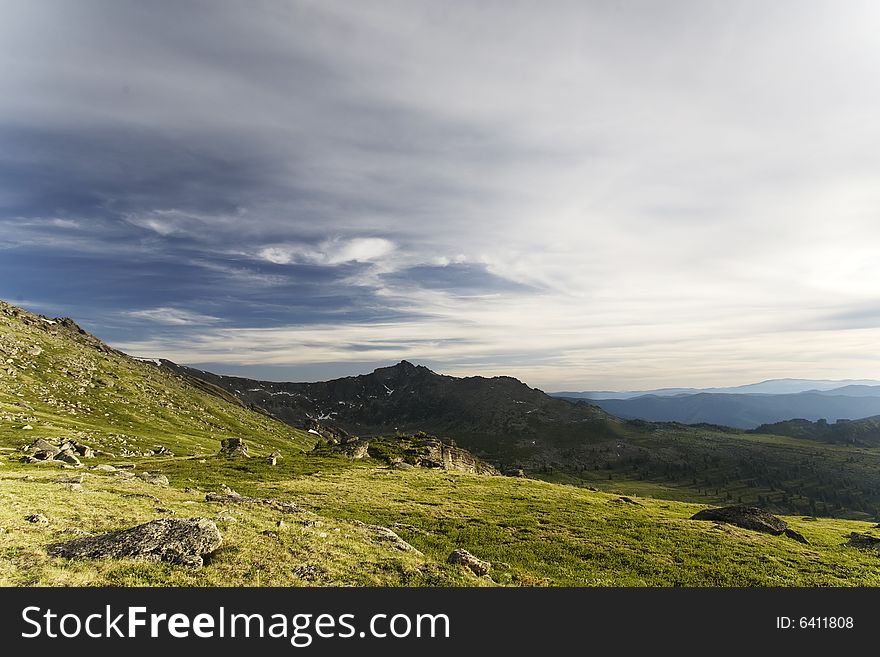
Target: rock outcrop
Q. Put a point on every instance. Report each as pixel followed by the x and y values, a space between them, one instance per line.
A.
pixel 385 535
pixel 863 541
pixel 477 566
pixel 750 517
pixel 235 447
pixel 174 540
pixel 69 451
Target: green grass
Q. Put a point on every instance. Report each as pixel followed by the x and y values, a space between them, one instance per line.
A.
pixel 536 533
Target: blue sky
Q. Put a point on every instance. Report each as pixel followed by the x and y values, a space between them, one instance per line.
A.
pixel 608 195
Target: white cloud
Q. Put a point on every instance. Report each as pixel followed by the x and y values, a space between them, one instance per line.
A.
pixel 331 252
pixel 174 317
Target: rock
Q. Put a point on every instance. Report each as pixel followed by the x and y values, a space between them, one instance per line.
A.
pixel 103 467
pixel 628 500
pixel 385 535
pixel 226 519
pixel 356 449
pixel 73 479
pixel 747 517
pixel 233 447
pixel 863 541
pixel 284 507
pixel 162 509
pixel 280 524
pixel 68 457
pixel 272 460
pixel 73 487
pixel 27 427
pixel 37 519
pixel 439 454
pixel 174 540
pixel 152 498
pixel 800 538
pixel 40 445
pixel 155 478
pixel 84 450
pixel 403 465
pixel 477 566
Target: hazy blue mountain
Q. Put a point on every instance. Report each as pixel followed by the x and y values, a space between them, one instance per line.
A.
pixel 745 411
pixel 769 387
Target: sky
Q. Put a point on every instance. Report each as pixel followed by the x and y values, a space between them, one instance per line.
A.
pixel 584 195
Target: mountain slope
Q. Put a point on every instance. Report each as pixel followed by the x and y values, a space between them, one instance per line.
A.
pixel 500 417
pixel 63 382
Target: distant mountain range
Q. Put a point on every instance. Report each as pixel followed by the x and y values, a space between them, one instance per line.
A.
pixel 769 387
pixel 745 407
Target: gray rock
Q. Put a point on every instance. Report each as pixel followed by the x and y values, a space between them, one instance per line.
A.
pixel 103 467
pixel 477 566
pixel 68 457
pixel 174 540
pixel 155 478
pixel 37 519
pixel 797 536
pixel 385 535
pixel 284 507
pixel 233 447
pixel 272 460
pixel 403 465
pixel 863 541
pixel 747 517
pixel 42 448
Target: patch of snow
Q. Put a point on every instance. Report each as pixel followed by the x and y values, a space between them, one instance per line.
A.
pixel 154 361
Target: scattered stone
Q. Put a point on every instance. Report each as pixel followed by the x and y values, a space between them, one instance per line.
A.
pixel 355 449
pixel 37 519
pixel 73 479
pixel 73 487
pixel 309 522
pixel 270 533
pixel 800 538
pixel 162 509
pixel 155 478
pixel 68 457
pixel 76 531
pixel 84 451
pixel 284 507
pixel 308 572
pixel 233 447
pixel 403 465
pixel 27 427
pixel 152 498
pixel 226 490
pixel 174 540
pixel 280 524
pixel 272 460
pixel 747 517
pixel 629 500
pixel 226 519
pixel 863 541
pixel 103 467
pixel 385 535
pixel 477 566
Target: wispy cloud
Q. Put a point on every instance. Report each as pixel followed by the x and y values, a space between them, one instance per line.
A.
pixel 174 317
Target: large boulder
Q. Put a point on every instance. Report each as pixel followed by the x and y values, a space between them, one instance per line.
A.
pixel 233 447
pixel 747 517
pixel 180 541
pixel 477 566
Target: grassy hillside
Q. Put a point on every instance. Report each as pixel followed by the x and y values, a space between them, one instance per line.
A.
pixel 63 382
pixel 534 533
